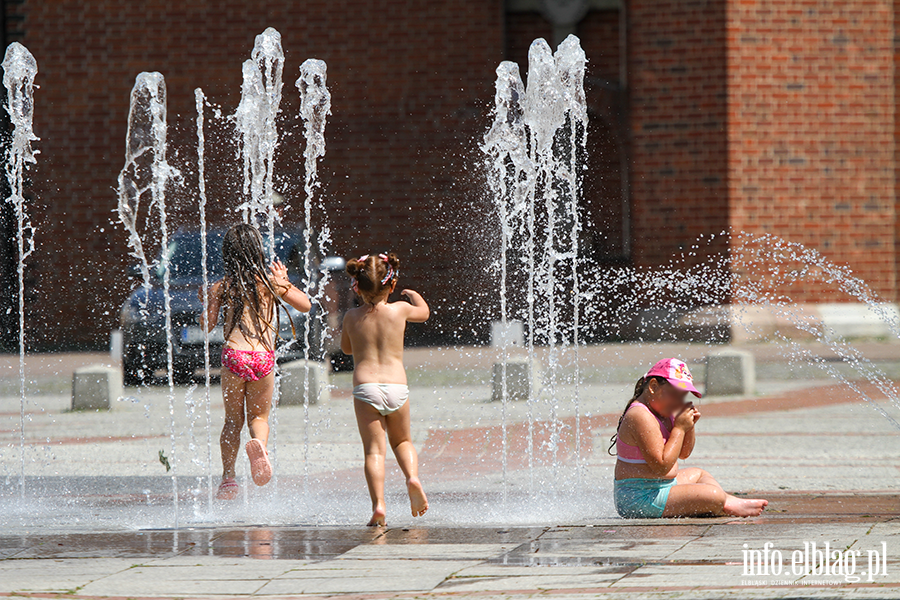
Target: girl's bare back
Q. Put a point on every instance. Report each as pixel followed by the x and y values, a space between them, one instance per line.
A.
pixel 373 334
pixel 376 335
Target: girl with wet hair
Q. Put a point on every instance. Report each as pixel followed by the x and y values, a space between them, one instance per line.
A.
pixel 248 296
pixel 373 334
pixel 657 429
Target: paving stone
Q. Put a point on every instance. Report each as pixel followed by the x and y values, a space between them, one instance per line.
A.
pixel 22 575
pixel 557 569
pixel 211 570
pixel 666 576
pixel 351 567
pixel 529 582
pixel 462 535
pixel 131 585
pixel 427 551
pixel 353 585
pixel 607 550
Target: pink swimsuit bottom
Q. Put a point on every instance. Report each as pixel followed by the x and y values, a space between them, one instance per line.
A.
pixel 249 365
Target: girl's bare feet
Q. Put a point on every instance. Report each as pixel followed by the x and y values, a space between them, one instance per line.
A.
pixel 260 467
pixel 417 500
pixel 743 507
pixel 378 515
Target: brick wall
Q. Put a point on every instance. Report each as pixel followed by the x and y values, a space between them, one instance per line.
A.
pixel 677 94
pixel 602 191
pixel 411 85
pixel 811 107
pixel 754 114
pixel 896 74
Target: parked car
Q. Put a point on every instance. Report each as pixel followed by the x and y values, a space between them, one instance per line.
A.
pixel 142 316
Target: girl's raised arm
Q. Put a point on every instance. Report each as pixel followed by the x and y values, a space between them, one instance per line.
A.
pixel 418 311
pixel 291 295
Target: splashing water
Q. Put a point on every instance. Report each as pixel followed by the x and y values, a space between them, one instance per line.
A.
pixel 19 71
pixel 533 150
pixel 257 128
pixel 571 61
pixel 146 170
pixel 269 58
pixel 315 106
pixel 258 131
pixel 533 161
pixel 508 164
pixel 200 102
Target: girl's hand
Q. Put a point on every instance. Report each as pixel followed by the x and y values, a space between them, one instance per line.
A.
pixel 279 273
pixel 686 418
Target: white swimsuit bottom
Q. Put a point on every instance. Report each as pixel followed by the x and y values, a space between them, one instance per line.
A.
pixel 385 397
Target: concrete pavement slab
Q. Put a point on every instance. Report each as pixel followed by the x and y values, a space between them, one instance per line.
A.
pixel 63 576
pixel 681 575
pixel 352 567
pixel 427 551
pixel 412 579
pixel 130 585
pixel 589 578
pixel 607 550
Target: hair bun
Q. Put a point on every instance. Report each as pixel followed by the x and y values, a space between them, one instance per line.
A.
pixel 352 267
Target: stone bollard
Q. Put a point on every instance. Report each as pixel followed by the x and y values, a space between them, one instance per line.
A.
pixel 511 333
pixel 730 372
pixel 95 387
pixel 522 379
pixel 293 375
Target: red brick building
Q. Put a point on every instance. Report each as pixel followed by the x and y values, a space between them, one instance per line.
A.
pixel 706 115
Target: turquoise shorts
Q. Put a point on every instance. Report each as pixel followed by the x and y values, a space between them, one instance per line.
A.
pixel 640 498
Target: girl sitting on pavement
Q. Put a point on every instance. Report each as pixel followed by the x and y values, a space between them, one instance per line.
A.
pixel 248 296
pixel 373 334
pixel 656 429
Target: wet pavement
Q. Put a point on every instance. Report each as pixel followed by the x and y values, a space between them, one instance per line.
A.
pixel 96 516
pixel 696 558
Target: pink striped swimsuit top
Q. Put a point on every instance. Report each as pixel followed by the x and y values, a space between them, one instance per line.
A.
pixel 632 454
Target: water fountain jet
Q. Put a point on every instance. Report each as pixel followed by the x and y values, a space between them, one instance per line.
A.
pixel 315 106
pixel 146 171
pixel 19 71
pixel 534 176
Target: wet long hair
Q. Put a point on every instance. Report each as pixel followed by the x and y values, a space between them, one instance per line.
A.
pixel 246 275
pixel 373 274
pixel 639 388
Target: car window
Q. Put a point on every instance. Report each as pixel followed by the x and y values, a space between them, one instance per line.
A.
pixel 184 257
pixel 183 253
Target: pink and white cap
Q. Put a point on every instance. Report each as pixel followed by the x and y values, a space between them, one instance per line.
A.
pixel 676 373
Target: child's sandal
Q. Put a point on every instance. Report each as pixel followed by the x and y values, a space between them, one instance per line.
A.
pixel 228 489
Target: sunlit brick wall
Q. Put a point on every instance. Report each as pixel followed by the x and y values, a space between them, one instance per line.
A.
pixel 811 132
pixel 677 93
pixel 411 86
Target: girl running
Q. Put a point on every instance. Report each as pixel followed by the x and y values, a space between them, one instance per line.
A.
pixel 656 429
pixel 248 295
pixel 373 334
